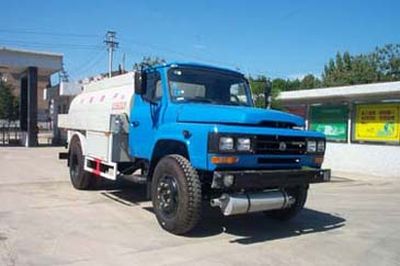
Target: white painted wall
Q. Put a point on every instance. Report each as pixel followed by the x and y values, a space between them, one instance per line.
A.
pixel 366 159
pixel 70 88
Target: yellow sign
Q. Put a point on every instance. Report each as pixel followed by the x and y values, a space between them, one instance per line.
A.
pixel 377 122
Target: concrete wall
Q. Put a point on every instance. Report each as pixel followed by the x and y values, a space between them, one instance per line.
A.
pixel 365 159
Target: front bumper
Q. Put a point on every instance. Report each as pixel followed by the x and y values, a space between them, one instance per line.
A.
pixel 261 179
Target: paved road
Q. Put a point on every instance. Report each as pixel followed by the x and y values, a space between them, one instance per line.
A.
pixel 44 221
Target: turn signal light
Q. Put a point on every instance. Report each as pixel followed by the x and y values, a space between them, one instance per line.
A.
pixel 318 160
pixel 224 159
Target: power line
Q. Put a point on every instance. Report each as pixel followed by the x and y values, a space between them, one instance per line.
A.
pixel 93 63
pixel 62 46
pixel 77 35
pixel 159 48
pixel 89 64
pixel 50 45
pixel 111 44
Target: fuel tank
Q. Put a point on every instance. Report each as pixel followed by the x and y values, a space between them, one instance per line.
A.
pixel 92 109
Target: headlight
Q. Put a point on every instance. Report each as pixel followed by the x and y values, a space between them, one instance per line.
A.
pixel 226 144
pixel 311 146
pixel 321 146
pixel 243 144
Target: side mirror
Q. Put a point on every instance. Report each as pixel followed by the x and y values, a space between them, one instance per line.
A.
pixel 140 83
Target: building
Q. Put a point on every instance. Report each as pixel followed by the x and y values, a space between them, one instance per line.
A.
pixel 59 98
pixel 29 72
pixel 361 123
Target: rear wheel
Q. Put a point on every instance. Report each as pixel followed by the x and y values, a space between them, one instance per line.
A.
pixel 300 195
pixel 80 179
pixel 176 194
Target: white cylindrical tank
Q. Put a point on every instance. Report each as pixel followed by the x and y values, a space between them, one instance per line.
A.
pixel 91 109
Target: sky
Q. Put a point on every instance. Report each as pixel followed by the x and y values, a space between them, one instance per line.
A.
pixel 286 39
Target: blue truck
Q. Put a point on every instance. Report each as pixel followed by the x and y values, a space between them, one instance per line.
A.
pixel 192 134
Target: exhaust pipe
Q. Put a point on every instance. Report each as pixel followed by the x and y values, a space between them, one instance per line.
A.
pixel 253 202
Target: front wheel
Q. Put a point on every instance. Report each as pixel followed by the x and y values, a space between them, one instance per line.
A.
pixel 300 195
pixel 176 194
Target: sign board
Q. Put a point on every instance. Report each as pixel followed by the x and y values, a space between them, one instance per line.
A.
pixel 330 120
pixel 377 122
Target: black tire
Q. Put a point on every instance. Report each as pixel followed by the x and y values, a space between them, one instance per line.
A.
pixel 300 195
pixel 80 179
pixel 178 211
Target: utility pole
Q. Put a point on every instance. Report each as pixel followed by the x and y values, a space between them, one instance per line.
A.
pixel 111 45
pixel 123 63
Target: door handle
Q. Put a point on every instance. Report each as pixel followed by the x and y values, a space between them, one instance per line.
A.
pixel 135 123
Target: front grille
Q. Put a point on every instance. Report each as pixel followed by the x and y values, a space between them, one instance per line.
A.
pixel 279 145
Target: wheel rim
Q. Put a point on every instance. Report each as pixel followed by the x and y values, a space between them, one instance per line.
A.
pixel 168 196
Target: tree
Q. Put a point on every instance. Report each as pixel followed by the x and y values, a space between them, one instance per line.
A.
pixel 387 61
pixel 148 61
pixel 383 64
pixel 293 84
pixel 257 86
pixel 310 82
pixel 347 61
pixel 9 109
pixel 349 70
pixel 279 85
pixel 362 71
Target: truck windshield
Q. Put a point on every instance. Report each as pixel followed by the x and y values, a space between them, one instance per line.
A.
pixel 206 86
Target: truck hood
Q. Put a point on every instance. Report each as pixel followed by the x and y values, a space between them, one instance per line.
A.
pixel 223 114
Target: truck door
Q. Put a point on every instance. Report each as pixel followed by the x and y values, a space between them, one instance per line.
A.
pixel 145 117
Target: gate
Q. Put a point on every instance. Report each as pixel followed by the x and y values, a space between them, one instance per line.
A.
pixel 10 133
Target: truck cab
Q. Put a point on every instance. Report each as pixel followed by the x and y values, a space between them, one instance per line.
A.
pixel 194 137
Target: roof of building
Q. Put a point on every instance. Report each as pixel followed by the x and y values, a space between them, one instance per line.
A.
pixel 384 89
pixel 17 60
pixel 45 53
